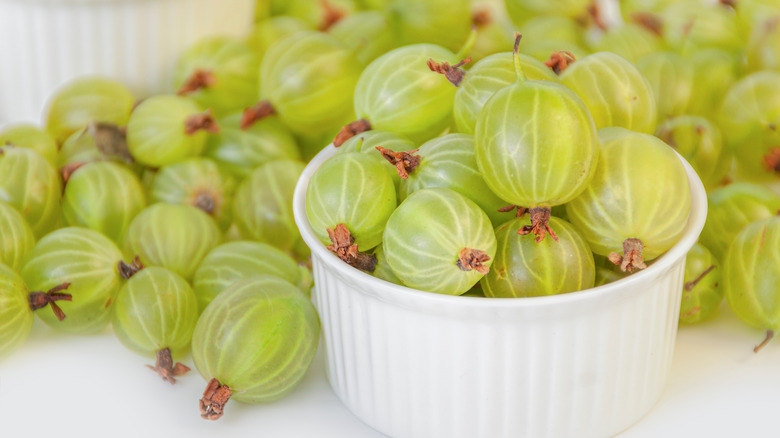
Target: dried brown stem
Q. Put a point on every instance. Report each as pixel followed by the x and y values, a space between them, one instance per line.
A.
pixel 649 21
pixel 215 397
pixel 769 335
pixel 482 17
pixel 111 140
pixel 252 114
pixel 559 61
pixel 452 72
pixel 540 224
pixel 350 130
pixel 631 259
pixel 345 248
pixel 691 284
pixel 165 367
pixel 67 171
pixel 729 3
pixel 205 201
pixel 404 162
pixel 39 300
pixel 197 80
pixel 331 14
pixel 520 210
pixel 128 270
pixel 473 259
pixel 595 14
pixel 772 159
pixel 204 121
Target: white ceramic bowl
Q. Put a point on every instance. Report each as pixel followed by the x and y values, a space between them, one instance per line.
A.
pixel 418 364
pixel 45 43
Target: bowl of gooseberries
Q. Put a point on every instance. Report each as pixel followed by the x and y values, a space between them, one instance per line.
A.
pixel 413 349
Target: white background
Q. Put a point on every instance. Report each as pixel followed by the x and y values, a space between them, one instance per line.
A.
pixel 61 386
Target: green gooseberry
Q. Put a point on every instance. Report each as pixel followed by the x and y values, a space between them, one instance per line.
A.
pixel 450 161
pixel 16 239
pixel 89 263
pixel 198 182
pixel 16 316
pixel 733 207
pixel 233 261
pixel 525 268
pixel 30 136
pixel 103 196
pixel 671 78
pixel 262 206
pixel 165 129
pixel 625 100
pixel 270 30
pixel 86 100
pixel 31 185
pixel 366 33
pixel 702 293
pixel 174 236
pixel 254 342
pixel 155 313
pixel 638 200
pixel 751 276
pixel 442 22
pixel 439 241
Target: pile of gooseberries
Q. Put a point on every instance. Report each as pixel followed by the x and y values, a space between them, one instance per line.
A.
pixel 464 164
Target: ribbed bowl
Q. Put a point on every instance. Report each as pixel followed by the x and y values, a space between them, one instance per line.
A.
pixel 417 364
pixel 45 43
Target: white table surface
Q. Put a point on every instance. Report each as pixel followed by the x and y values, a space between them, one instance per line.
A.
pixel 62 386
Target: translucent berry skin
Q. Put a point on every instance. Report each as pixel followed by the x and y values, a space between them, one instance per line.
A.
pixel 763 47
pixel 750 121
pixel 270 30
pixel 173 236
pixel 156 131
pixel 700 300
pixel 520 10
pixel 424 21
pixel 366 142
pixel 450 161
pixel 526 268
pixel 351 189
pixel 197 182
pixel 365 32
pixel 16 317
pixel 751 274
pixel 625 100
pixel 536 144
pixel 258 337
pixel 629 40
pixel 485 78
pixel 234 261
pixel 262 206
pixel 32 137
pixel 309 78
pixel 671 77
pixel 700 142
pixel 555 28
pixel 103 196
pixel 155 309
pixel 715 71
pixel 425 235
pixel 606 271
pixel 31 185
pixel 16 239
pixel 88 261
pixel 691 26
pixel 234 67
pixel 733 207
pixel 86 100
pixel 640 190
pixel 240 151
pixel 398 92
pixel 382 269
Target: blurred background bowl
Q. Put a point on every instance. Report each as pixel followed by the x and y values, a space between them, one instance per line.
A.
pixel 45 43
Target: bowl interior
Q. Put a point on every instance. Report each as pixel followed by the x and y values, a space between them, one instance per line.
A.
pixel 401 294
